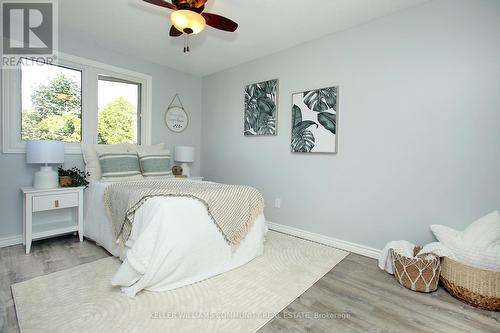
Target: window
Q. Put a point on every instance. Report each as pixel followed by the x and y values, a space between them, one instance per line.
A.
pixel 51 103
pixel 75 101
pixel 119 113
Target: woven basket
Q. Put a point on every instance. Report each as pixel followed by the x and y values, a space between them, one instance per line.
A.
pixel 475 286
pixel 417 273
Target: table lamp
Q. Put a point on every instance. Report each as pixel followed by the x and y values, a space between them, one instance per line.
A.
pixel 184 155
pixel 45 152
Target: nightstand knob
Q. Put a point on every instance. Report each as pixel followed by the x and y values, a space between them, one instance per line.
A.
pixel 56 203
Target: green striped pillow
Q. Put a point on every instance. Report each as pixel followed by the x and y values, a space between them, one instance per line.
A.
pixel 119 166
pixel 155 164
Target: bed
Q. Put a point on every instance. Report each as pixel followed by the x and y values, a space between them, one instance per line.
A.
pixel 173 241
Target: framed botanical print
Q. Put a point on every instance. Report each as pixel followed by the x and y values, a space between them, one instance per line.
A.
pixel 261 108
pixel 314 121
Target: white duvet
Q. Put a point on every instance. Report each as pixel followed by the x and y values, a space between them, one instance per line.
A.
pixel 173 243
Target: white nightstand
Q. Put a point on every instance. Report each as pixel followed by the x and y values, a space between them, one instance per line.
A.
pixel 51 212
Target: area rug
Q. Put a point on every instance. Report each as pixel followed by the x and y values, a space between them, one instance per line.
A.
pixel 243 300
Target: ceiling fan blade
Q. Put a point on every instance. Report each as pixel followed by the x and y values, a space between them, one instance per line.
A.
pixel 220 22
pixel 174 32
pixel 161 3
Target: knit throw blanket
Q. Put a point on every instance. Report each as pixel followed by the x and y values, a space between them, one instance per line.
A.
pixel 233 208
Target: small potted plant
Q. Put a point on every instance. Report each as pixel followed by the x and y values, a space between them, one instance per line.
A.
pixel 73 177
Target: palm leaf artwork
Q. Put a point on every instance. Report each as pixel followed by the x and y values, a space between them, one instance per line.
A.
pixel 302 139
pixel 261 108
pixel 320 100
pixel 314 108
pixel 328 120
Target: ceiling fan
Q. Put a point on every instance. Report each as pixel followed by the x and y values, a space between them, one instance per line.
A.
pixel 188 18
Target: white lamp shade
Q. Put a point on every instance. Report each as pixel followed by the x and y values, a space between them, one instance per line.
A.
pixel 44 151
pixel 184 154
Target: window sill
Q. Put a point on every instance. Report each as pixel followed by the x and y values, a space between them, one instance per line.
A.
pixel 69 149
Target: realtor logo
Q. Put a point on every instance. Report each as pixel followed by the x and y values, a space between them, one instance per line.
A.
pixel 28 30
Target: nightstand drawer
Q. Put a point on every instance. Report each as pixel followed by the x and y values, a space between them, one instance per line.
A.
pixel 57 201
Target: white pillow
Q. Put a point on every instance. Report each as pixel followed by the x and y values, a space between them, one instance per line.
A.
pixel 119 166
pixel 447 236
pixel 468 254
pixel 90 152
pixel 155 164
pixel 145 148
pixel 484 232
pixel 478 245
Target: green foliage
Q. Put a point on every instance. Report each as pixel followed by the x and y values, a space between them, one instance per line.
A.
pixel 78 177
pixel 55 113
pixel 115 123
pixel 60 96
pixel 29 126
pixel 65 127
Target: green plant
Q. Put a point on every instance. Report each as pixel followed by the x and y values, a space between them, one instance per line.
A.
pixel 78 177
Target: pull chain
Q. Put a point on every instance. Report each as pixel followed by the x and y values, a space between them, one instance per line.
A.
pixel 186 43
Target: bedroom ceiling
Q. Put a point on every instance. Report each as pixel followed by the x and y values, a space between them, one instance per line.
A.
pixel 138 29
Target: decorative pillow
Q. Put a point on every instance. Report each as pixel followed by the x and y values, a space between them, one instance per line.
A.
pixel 484 232
pixel 478 245
pixel 155 164
pixel 119 166
pixel 91 160
pixel 447 236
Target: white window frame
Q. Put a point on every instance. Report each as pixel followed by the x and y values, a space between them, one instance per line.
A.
pixel 11 102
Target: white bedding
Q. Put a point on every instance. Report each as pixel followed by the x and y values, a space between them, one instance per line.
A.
pixel 173 242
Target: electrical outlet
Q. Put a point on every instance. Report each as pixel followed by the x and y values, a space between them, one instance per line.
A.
pixel 277 203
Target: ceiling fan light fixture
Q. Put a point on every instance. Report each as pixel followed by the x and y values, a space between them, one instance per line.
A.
pixel 188 21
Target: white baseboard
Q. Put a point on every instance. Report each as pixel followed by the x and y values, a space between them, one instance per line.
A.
pixel 12 240
pixel 337 243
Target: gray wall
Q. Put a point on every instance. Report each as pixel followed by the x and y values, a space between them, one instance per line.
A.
pixel 14 172
pixel 419 135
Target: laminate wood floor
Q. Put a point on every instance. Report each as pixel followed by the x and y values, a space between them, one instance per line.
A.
pixel 355 296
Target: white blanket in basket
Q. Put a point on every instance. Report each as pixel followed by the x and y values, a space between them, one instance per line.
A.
pixel 405 248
